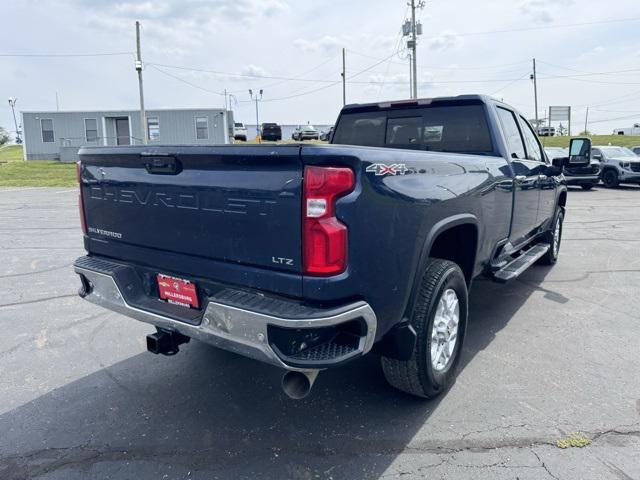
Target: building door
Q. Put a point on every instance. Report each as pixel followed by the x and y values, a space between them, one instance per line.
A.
pixel 122 131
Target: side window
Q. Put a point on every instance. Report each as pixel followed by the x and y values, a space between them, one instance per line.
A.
pixel 153 128
pixel 512 133
pixel 91 129
pixel 596 154
pixel 202 128
pixel 46 127
pixel 534 152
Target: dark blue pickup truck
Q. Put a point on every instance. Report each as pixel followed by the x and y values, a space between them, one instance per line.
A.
pixel 309 256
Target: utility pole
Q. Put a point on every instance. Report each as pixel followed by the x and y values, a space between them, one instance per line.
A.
pixel 57 103
pixel 344 78
pixel 410 76
pixel 412 29
pixel 257 98
pixel 534 77
pixel 143 115
pixel 414 46
pixel 586 122
pixel 12 104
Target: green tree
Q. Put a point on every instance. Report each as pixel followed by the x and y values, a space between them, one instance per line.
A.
pixel 4 136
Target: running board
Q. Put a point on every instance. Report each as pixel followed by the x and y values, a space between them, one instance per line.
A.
pixel 516 267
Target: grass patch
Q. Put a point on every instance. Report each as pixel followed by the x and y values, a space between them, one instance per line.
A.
pixel 575 440
pixel 616 140
pixel 15 172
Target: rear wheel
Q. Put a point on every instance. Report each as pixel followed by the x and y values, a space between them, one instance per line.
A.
pixel 439 319
pixel 587 186
pixel 610 178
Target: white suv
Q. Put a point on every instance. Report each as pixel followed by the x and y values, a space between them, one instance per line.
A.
pixel 239 131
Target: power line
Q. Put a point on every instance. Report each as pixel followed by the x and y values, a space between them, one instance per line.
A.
pixel 183 80
pixel 526 75
pixel 544 27
pixel 231 74
pixel 627 117
pixel 56 55
pixel 332 83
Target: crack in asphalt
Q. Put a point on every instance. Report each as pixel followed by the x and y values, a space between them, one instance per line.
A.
pixel 544 465
pixel 29 340
pixel 35 272
pixel 43 461
pixel 46 299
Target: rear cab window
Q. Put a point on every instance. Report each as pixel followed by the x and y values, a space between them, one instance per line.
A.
pixel 534 150
pixel 512 134
pixel 455 128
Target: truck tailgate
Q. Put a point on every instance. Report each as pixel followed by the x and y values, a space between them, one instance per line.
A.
pixel 234 204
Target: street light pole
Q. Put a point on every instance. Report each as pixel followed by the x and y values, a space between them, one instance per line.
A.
pixel 534 77
pixel 257 98
pixel 12 103
pixel 143 114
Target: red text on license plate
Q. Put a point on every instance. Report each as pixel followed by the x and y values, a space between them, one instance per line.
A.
pixel 178 291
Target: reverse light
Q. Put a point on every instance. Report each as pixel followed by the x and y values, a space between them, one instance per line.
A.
pixel 324 237
pixel 83 223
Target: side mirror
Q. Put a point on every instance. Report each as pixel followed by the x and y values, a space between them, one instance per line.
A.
pixel 579 152
pixel 597 158
pixel 557 166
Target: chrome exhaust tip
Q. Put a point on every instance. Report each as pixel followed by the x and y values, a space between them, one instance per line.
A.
pixel 297 385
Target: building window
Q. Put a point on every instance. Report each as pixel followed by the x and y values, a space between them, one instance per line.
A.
pixel 91 129
pixel 202 128
pixel 153 128
pixel 46 125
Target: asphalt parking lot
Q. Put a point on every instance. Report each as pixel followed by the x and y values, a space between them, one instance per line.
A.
pixel 554 353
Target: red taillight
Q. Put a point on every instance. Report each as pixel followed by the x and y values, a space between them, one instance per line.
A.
pixel 324 236
pixel 83 223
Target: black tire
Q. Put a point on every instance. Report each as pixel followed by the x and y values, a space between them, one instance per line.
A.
pixel 418 376
pixel 551 257
pixel 610 178
pixel 587 186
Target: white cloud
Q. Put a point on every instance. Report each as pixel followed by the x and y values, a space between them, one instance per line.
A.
pixel 254 71
pixel 543 11
pixel 445 41
pixel 326 45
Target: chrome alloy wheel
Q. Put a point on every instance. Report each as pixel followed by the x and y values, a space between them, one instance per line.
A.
pixel 444 334
pixel 556 237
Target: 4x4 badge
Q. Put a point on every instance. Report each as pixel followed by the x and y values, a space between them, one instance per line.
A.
pixel 387 169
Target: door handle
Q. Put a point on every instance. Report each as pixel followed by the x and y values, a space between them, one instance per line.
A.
pixel 162 165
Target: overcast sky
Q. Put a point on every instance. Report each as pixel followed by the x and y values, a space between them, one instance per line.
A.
pixel 303 40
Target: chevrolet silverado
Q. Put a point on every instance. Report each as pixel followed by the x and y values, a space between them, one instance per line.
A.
pixel 309 256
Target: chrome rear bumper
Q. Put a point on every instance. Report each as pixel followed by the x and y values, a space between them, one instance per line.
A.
pixel 230 327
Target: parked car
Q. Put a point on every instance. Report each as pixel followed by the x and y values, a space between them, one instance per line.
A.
pixel 310 257
pixel 271 131
pixel 636 150
pixel 326 135
pixel 584 176
pixel 547 131
pixel 239 131
pixel 618 164
pixel 305 132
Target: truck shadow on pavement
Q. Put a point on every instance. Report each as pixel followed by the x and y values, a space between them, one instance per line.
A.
pixel 208 414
